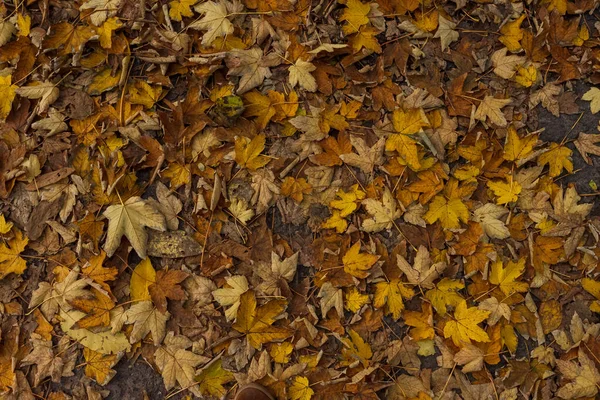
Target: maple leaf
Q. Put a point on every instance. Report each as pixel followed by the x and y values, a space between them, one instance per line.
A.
pixel 279 271
pixel 231 296
pixel 300 389
pixel 488 217
pixel 584 376
pixel 176 364
pixel 97 310
pixel 367 157
pixel 517 148
pixel 354 300
pixel 259 106
pixel 10 260
pixel 51 298
pixel 464 327
pixel 546 96
pixel 178 175
pixel 446 32
pixel 586 144
pixel 8 92
pixel 384 212
pixel 490 109
pixel 72 38
pixel 212 377
pixel 506 192
pixel 365 38
pixel 300 75
pixel 256 322
pixel 250 66
pixel 166 286
pixel 592 287
pixel 448 212
pixel 444 294
pixel 331 297
pixel 409 121
pixel 391 294
pixel 423 272
pixel 348 202
pixel 247 152
pixel 142 277
pixel 214 20
pixel 48 363
pixel 333 149
pixel 512 34
pixel 265 189
pixel 130 219
pixel 358 264
pixel 593 96
pixel 98 366
pixel 470 357
pixel 505 277
pixel 142 93
pixel 146 319
pixel 557 157
pixel 168 204
pixel 181 8
pixel 106 30
pixel 526 76
pixel 103 341
pixel 239 209
pixel 356 350
pixel 54 123
pixel 497 310
pixel 356 15
pixel 295 188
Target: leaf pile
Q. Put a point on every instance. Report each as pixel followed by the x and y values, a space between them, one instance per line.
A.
pixel 335 199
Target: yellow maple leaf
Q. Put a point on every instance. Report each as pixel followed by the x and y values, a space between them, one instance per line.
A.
pixel 10 259
pixel 280 352
pixel 181 8
pixel 295 188
pixel 355 15
pixel 505 277
pixel 558 157
pixel 98 366
pixel 142 277
pixel 247 152
pixel 335 222
pixel 517 148
pixel 365 38
pixel 106 30
pixel 7 95
pixel 356 350
pixel 422 323
pixel 354 299
pixel 260 106
pixel 358 264
pixel 445 294
pixel 426 21
pixel 559 5
pixel 348 202
pixel 178 174
pixel 512 34
pixel 24 24
pixel 406 147
pixel 526 76
pixel 506 192
pixel 593 287
pixel 300 389
pixel 256 322
pixel 5 227
pixel 391 294
pixel 448 212
pixel 409 121
pixel 142 93
pixel 212 378
pixel 464 327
